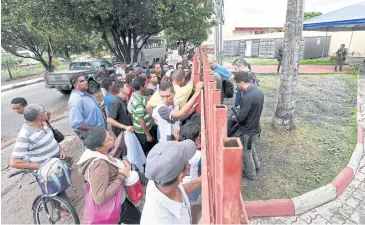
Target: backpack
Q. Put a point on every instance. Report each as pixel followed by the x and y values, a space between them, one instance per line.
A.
pixel 228 88
pixel 54 177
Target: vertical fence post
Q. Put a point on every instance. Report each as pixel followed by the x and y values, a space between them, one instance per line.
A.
pixel 230 179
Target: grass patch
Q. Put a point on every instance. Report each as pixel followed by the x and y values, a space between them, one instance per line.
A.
pixel 311 156
pixel 257 61
pixel 25 71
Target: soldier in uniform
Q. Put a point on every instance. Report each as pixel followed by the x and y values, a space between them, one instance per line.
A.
pixel 280 57
pixel 340 57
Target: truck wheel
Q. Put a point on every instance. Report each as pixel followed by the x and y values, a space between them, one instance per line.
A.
pixel 93 87
pixel 65 92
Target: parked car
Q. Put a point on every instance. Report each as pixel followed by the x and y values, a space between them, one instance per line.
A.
pixel 89 68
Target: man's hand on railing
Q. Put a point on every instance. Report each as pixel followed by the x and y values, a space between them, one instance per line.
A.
pixel 198 87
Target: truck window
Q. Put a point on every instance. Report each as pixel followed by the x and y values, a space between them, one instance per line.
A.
pixel 106 64
pixel 80 65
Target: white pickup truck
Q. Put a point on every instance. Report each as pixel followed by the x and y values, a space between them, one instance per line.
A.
pixel 61 80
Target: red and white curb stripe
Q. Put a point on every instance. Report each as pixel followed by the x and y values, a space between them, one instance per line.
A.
pixel 319 196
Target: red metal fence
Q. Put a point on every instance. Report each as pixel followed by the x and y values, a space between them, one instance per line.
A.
pixel 221 156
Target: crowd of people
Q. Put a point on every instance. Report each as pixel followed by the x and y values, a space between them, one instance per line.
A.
pixel 146 123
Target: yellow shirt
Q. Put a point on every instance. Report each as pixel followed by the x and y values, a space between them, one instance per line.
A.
pixel 181 94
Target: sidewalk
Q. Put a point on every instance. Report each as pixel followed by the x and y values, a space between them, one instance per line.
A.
pixel 348 208
pixel 303 69
pixel 21 84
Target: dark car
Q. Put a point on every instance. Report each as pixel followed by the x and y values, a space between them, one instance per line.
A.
pixel 89 68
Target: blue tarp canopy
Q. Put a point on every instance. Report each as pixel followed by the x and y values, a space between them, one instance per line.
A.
pixel 350 18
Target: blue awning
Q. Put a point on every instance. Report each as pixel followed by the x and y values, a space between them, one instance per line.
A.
pixel 350 18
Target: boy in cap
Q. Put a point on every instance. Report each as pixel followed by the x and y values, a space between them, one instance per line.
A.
pixel 166 198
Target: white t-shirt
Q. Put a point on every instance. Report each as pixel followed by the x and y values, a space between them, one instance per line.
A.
pixel 193 173
pixel 166 124
pixel 159 209
pixel 121 71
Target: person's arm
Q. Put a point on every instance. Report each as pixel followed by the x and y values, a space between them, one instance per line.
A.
pixel 21 164
pixel 153 102
pixel 113 115
pixel 245 107
pixel 119 125
pixel 144 127
pixel 76 118
pixel 192 186
pixel 102 189
pixel 140 113
pixel 21 148
pixel 186 109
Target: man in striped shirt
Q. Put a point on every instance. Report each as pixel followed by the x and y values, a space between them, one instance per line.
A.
pixel 142 121
pixel 35 143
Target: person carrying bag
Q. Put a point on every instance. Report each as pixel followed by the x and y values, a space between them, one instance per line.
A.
pixel 56 133
pixel 106 199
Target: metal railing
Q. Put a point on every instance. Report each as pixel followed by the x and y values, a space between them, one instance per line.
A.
pixel 221 156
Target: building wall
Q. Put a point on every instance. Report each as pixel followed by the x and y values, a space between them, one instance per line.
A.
pixel 357 44
pixel 337 38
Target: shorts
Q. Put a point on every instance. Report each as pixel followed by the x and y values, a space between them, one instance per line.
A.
pixel 194 197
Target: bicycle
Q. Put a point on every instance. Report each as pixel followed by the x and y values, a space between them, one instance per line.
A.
pixel 52 205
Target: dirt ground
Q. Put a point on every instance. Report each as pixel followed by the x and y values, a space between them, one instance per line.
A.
pixel 299 161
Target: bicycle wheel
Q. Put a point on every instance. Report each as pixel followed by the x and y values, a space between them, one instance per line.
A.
pixel 54 210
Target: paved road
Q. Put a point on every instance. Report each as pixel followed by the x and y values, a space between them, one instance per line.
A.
pixel 54 101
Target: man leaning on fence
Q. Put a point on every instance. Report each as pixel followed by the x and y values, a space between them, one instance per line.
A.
pixel 248 119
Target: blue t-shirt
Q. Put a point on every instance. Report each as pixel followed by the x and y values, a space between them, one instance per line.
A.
pixel 108 101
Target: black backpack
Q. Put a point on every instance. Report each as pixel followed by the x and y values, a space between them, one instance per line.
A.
pixel 228 88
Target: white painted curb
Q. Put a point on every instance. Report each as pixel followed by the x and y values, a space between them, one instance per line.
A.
pixel 21 84
pixel 314 198
pixel 356 157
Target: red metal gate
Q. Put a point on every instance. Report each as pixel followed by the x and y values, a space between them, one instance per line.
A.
pixel 221 156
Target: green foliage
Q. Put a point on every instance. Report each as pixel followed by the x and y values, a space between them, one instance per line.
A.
pixel 310 15
pixel 191 23
pixel 355 68
pixel 9 59
pixel 271 30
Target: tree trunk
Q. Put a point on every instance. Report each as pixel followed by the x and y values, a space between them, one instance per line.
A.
pixel 67 55
pixel 49 57
pixel 7 64
pixel 284 115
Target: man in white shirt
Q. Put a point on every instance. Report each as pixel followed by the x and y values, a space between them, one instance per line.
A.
pixel 121 69
pixel 166 198
pixel 168 113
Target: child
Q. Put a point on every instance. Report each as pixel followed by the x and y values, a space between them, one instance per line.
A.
pixel 191 130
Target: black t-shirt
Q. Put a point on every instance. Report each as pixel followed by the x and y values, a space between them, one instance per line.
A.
pixel 120 113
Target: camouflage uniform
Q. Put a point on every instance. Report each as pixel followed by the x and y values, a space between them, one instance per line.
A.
pixel 340 57
pixel 280 58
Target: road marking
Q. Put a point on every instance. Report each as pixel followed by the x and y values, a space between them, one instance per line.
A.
pixel 8 142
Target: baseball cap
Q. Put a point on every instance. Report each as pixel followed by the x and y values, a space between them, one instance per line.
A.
pixel 167 160
pixel 140 70
pixel 74 78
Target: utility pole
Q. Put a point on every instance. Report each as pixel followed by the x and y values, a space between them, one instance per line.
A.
pixel 218 38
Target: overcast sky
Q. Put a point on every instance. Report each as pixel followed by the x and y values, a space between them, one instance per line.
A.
pixel 272 13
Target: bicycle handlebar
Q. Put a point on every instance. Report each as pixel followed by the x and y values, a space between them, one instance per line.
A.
pixel 19 172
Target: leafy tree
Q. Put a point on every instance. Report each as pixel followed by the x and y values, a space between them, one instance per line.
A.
pixel 271 30
pixel 310 15
pixel 125 25
pixel 190 24
pixel 284 114
pixel 20 33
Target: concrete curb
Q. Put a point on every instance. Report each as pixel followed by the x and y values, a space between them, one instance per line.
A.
pixel 21 84
pixel 319 196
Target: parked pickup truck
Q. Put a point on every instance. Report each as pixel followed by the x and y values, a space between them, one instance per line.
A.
pixel 62 80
